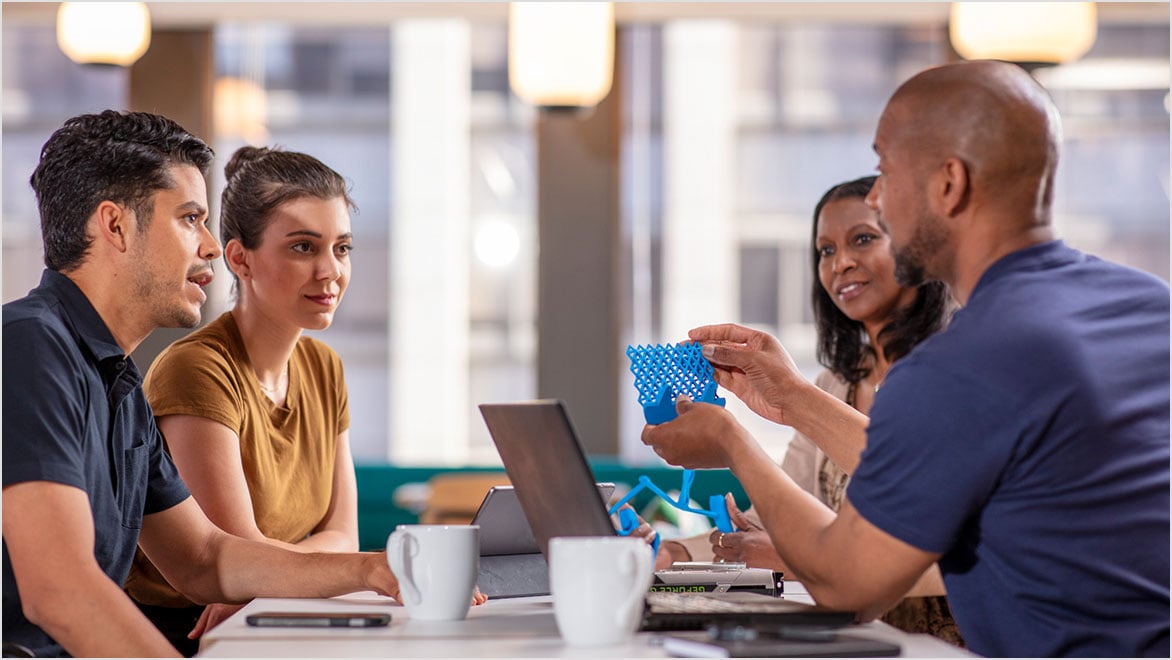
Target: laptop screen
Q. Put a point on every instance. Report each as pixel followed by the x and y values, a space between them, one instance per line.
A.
pixel 548 469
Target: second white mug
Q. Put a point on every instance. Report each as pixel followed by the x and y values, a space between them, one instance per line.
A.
pixel 598 586
pixel 436 566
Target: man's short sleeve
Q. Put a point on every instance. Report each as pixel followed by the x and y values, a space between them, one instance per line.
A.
pixel 924 473
pixel 45 405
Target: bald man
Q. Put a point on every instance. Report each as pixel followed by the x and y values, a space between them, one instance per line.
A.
pixel 1026 448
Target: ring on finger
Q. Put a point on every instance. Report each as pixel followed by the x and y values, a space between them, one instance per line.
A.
pixel 720 540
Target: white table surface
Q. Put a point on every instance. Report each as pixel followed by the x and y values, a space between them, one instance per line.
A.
pixel 502 628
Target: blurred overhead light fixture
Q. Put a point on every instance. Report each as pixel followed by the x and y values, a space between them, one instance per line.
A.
pixel 240 109
pixel 115 33
pixel 1032 34
pixel 561 54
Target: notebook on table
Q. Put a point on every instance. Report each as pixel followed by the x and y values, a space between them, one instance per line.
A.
pixel 697 611
pixel 784 644
pixel 556 490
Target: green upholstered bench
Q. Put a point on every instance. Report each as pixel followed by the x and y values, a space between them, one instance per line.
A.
pixel 378 512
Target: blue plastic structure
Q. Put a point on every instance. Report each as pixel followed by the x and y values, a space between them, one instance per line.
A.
pixel 717 507
pixel 662 373
pixel 665 371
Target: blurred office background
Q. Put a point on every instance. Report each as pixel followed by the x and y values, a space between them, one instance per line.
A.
pixel 506 251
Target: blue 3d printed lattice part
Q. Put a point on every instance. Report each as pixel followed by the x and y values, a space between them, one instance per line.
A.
pixel 665 371
pixel 662 373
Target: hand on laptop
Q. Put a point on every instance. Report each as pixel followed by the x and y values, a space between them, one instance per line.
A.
pixel 749 545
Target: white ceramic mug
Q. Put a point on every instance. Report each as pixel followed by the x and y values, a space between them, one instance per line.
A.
pixel 436 566
pixel 598 584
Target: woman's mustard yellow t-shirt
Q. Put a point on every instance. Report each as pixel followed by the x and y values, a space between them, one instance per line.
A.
pixel 287 451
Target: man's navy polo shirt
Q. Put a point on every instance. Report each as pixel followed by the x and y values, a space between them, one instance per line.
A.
pixel 75 414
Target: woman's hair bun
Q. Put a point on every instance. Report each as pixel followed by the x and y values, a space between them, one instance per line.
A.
pixel 244 156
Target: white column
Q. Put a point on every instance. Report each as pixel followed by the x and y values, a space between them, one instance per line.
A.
pixel 699 125
pixel 430 241
pixel 700 257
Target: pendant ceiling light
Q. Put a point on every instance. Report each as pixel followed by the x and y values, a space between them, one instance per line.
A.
pixel 561 54
pixel 114 33
pixel 240 110
pixel 1029 33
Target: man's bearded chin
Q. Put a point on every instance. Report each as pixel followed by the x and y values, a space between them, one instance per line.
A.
pixel 909 271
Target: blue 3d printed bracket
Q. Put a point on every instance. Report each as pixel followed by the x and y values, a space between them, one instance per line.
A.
pixel 662 373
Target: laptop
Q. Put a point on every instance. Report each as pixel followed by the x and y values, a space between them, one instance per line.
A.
pixel 511 564
pixel 548 470
pixel 556 490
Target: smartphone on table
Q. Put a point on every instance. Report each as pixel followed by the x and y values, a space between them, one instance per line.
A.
pixel 318 619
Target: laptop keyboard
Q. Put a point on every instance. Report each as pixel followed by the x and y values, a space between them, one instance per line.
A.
pixel 697 611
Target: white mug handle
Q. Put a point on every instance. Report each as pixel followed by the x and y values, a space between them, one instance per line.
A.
pixel 401 546
pixel 636 564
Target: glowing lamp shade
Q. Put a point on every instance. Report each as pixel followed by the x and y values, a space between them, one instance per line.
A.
pixel 561 53
pixel 1038 33
pixel 115 33
pixel 240 109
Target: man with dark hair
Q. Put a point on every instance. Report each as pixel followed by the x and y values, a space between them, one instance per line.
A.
pixel 1025 448
pixel 124 218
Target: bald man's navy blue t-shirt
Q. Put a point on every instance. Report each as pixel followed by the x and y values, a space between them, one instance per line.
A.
pixel 1029 445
